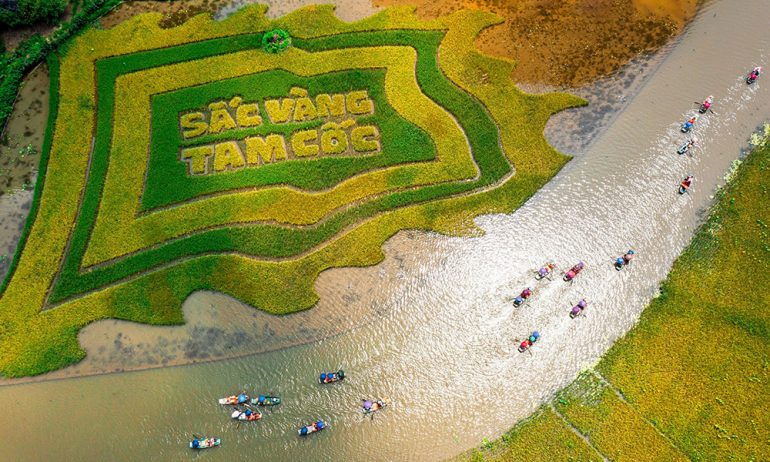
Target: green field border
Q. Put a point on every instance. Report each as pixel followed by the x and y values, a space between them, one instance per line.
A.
pixel 395 131
pixel 52 61
pixel 72 281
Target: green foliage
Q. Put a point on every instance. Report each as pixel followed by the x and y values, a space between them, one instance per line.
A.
pixel 168 181
pixel 267 240
pixel 29 12
pixel 542 436
pixel 53 108
pixel 34 50
pixel 276 40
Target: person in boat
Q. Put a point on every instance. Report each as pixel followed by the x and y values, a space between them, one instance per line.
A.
pixel 691 142
pixel 691 121
pixel 707 103
pixel 525 294
pixel 687 182
pixel 755 73
pixel 529 340
pixel 367 405
pixel 569 276
pixel 242 398
pixel 628 257
pixel 577 309
pixel 544 271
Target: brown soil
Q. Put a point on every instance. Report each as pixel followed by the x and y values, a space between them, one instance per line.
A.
pixel 22 139
pixel 568 42
pixel 175 13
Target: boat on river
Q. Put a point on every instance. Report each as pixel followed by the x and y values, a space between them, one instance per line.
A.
pixel 312 428
pixel 205 443
pixel 265 400
pixel 246 415
pixel 241 398
pixel 331 377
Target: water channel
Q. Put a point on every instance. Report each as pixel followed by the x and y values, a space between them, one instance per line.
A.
pixel 438 334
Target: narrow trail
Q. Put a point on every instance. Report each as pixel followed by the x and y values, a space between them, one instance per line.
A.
pixel 623 399
pixel 577 432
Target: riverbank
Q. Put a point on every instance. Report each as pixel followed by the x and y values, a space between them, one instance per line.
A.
pixel 692 380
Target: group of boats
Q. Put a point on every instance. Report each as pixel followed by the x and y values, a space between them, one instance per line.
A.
pixel 247 409
pixel 244 406
pixel 545 272
pixel 688 125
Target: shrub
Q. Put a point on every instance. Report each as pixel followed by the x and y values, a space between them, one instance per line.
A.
pixel 276 40
pixel 28 12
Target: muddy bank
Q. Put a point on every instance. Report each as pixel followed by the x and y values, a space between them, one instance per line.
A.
pixel 568 43
pixel 20 147
pixel 220 327
pixel 176 13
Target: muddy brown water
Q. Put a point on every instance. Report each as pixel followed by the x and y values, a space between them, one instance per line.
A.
pixel 441 341
pixel 20 146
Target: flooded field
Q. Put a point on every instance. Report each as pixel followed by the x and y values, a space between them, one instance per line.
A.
pixel 432 328
pixel 20 148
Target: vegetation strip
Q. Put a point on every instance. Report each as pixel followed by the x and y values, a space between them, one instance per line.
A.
pixel 53 108
pixel 578 432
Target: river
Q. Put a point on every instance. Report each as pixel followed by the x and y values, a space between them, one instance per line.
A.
pixel 442 344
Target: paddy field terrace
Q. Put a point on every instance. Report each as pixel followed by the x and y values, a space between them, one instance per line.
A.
pixel 191 158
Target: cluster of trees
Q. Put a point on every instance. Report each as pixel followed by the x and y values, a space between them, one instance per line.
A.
pixel 30 52
pixel 15 13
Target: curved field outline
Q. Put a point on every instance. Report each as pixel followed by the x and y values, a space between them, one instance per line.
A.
pixel 121 193
pixel 150 286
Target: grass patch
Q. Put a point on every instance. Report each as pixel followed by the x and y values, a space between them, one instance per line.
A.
pixel 168 181
pixel 544 433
